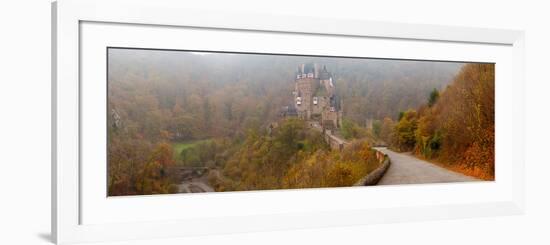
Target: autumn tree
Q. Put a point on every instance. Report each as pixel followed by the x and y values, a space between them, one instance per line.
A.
pixel 434 95
pixel 386 130
pixel 376 128
pixel 351 130
pixel 154 177
pixel 466 117
pixel 405 131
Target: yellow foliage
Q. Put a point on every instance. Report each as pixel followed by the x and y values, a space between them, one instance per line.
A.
pixel 332 169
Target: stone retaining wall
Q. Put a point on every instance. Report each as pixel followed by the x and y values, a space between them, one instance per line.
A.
pixel 373 177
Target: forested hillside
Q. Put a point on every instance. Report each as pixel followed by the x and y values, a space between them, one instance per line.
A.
pixel 168 109
pixel 455 127
pixel 221 94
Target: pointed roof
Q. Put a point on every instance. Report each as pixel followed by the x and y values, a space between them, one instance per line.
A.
pixel 324 74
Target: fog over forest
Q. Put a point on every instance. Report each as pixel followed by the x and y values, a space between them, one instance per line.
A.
pixel 261 84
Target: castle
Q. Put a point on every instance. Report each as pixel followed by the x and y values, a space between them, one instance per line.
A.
pixel 315 98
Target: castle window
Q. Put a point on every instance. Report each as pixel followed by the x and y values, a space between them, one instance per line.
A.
pixel 315 100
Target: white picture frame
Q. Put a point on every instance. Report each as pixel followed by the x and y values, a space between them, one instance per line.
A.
pixel 69 196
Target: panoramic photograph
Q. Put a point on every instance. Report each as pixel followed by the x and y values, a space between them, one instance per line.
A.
pixel 203 121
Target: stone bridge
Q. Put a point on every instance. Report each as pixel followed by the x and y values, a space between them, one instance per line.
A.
pixel 332 140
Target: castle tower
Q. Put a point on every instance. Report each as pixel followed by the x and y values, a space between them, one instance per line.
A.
pixel 307 83
pixel 314 96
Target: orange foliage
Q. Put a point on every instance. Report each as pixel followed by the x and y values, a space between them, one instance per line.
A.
pixel 457 127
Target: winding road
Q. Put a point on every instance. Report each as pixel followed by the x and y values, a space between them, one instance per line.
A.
pixel 407 169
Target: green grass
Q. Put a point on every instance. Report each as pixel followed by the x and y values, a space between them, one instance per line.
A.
pixel 180 146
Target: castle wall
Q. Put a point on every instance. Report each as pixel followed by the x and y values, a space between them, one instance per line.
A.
pixel 330 116
pixel 305 88
pixel 323 103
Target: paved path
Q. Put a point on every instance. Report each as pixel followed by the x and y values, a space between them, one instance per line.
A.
pixel 194 186
pixel 407 169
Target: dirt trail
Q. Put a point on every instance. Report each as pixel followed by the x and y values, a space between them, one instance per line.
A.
pixel 195 185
